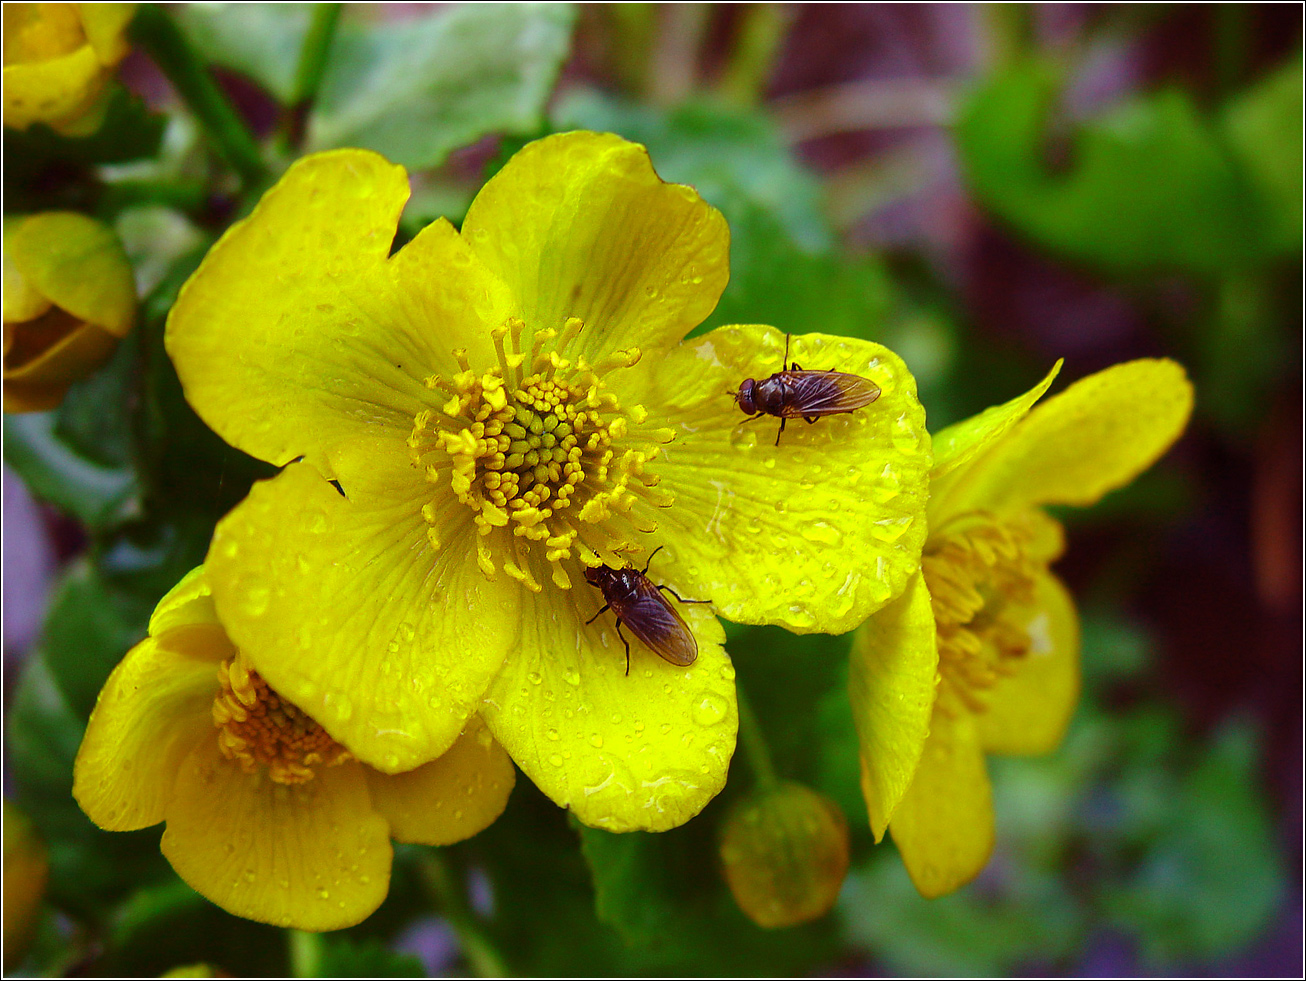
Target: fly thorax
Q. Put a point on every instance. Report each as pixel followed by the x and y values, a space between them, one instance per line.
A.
pixel 553 467
pixel 981 573
pixel 261 730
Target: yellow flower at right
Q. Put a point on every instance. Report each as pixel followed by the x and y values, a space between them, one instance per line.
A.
pixel 981 653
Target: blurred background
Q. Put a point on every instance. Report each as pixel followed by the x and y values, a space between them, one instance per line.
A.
pixel 984 188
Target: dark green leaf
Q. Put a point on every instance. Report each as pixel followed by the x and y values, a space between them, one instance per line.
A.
pixel 417 89
pixel 344 957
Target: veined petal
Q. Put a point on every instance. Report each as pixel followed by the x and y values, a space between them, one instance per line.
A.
pixel 1097 435
pixel 815 534
pixel 891 684
pixel 1028 711
pixel 944 825
pixel 579 225
pixel 154 709
pixel 335 340
pixel 312 856
pixel 963 441
pixel 188 603
pixel 346 608
pixel 450 798
pixel 644 751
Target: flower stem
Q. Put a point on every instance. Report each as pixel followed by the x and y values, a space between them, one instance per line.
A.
pixel 305 954
pixel 753 742
pixel 749 69
pixel 452 905
pixel 155 31
pixel 313 55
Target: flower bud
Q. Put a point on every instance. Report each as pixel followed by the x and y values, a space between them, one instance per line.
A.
pixel 68 298
pixel 27 867
pixel 58 59
pixel 785 852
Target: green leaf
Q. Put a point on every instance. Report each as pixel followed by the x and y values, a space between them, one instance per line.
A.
pixel 417 89
pixel 1149 185
pixel 259 40
pixel 1264 130
pixel 345 957
pixel 630 893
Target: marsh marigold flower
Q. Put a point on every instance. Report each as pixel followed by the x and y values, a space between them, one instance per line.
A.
pixel 68 298
pixel 58 58
pixel 981 652
pixel 267 815
pixel 468 424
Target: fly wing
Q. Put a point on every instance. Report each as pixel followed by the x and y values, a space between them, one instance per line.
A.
pixel 827 393
pixel 650 616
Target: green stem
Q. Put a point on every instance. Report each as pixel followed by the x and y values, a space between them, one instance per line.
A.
pixel 313 55
pixel 305 953
pixel 751 63
pixel 156 32
pixel 753 743
pixel 452 905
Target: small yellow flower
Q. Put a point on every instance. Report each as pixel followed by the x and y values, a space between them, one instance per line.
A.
pixel 68 298
pixel 502 409
pixel 58 58
pixel 267 815
pixel 981 652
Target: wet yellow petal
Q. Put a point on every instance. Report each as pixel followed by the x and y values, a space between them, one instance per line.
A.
pixel 297 332
pixel 1097 435
pixel 78 264
pixel 640 752
pixel 814 535
pixel 152 711
pixel 944 826
pixel 579 225
pixel 188 603
pixel 346 609
pixel 963 441
pixel 448 799
pixel 1028 711
pixel 312 856
pixel 105 25
pixel 891 684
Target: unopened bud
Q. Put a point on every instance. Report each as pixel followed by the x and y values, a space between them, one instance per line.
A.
pixel 785 852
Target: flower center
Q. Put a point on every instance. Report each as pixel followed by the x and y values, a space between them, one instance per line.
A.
pixel 977 569
pixel 257 727
pixel 541 450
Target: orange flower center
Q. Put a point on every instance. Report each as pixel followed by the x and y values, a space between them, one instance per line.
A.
pixel 977 568
pixel 538 446
pixel 259 728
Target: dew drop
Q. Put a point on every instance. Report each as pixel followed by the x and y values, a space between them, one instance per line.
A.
pixel 535 677
pixel 571 676
pixel 728 672
pixel 555 759
pixel 552 734
pixel 709 709
pixel 596 741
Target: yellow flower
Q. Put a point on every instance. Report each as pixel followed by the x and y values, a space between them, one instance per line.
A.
pixel 68 298
pixel 981 652
pixel 267 815
pixel 502 409
pixel 58 58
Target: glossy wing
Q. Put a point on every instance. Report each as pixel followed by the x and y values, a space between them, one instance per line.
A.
pixel 650 616
pixel 826 393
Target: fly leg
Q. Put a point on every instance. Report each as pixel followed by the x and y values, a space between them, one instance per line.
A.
pixel 599 614
pixel 810 420
pixel 783 420
pixel 681 598
pixel 624 644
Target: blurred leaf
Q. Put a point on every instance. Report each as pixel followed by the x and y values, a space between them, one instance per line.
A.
pixel 344 957
pixel 260 40
pixel 735 158
pixel 629 893
pixel 1264 130
pixel 416 89
pixel 1149 185
pixel 88 629
pixel 1212 878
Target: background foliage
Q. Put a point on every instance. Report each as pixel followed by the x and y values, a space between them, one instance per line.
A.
pixel 983 189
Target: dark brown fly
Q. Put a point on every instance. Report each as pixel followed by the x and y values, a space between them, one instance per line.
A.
pixel 639 604
pixel 796 393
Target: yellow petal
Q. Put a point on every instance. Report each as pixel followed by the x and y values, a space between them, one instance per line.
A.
pixel 297 332
pixel 346 609
pixel 944 825
pixel 963 441
pixel 1097 435
pixel 39 382
pixel 105 25
pixel 814 535
pixel 52 91
pixel 891 684
pixel 1028 711
pixel 78 264
pixel 579 225
pixel 313 856
pixel 448 799
pixel 188 603
pixel 640 752
pixel 152 711
pixel 22 301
